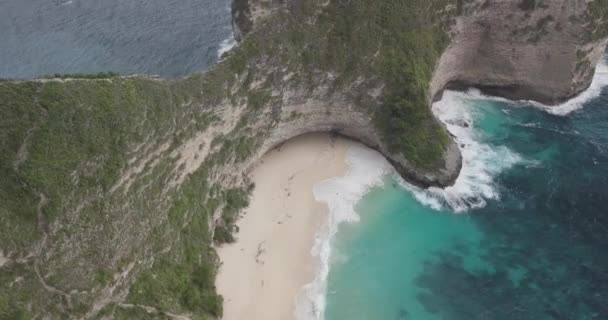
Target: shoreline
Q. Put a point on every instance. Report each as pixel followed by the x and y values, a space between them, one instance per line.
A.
pixel 264 271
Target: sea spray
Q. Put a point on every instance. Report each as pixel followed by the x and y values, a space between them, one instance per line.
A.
pixel 228 43
pixel 599 81
pixel 404 260
pixel 481 162
pixel 477 123
pixel 366 168
pixel 226 46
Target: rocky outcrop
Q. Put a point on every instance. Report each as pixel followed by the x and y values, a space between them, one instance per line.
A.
pixel 325 110
pixel 321 110
pixel 246 12
pixel 533 50
pixel 536 50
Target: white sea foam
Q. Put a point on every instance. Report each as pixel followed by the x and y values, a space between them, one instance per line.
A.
pixel 366 169
pixel 476 184
pixel 226 46
pixel 599 81
pixel 228 43
pixel 481 163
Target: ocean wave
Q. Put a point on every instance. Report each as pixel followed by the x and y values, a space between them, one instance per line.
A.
pixel 226 45
pixel 366 168
pixel 600 80
pixel 481 162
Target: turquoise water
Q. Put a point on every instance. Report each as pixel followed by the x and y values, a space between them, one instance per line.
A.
pixel 538 250
pixel 388 249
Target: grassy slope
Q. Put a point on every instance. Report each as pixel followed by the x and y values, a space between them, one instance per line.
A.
pixel 75 139
pixel 599 19
pixel 399 43
pixel 394 42
pixel 79 136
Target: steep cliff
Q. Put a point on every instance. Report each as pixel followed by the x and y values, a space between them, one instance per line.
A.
pixel 114 189
pixel 538 50
pixel 245 13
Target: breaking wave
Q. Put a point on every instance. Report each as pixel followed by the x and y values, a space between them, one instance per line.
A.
pixel 481 162
pixel 226 46
pixel 475 185
pixel 366 170
pixel 599 81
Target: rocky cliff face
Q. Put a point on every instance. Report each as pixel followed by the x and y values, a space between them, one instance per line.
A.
pixel 323 110
pixel 246 12
pixel 535 50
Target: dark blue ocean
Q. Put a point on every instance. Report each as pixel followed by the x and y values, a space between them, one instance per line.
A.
pixel 162 37
pixel 522 235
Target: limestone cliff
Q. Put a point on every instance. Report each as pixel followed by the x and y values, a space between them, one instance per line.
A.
pixel 536 50
pixel 115 189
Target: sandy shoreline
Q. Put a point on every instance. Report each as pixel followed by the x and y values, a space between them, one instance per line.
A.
pixel 263 272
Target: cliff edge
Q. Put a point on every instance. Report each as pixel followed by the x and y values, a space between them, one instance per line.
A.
pixel 523 50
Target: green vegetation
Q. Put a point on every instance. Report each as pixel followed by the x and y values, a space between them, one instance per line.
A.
pixel 18 210
pixel 99 75
pixel 409 38
pixel 258 98
pixel 185 284
pixel 395 43
pixel 102 151
pixel 51 129
pixel 598 11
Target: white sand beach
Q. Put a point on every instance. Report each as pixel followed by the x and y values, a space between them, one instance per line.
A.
pixel 264 270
